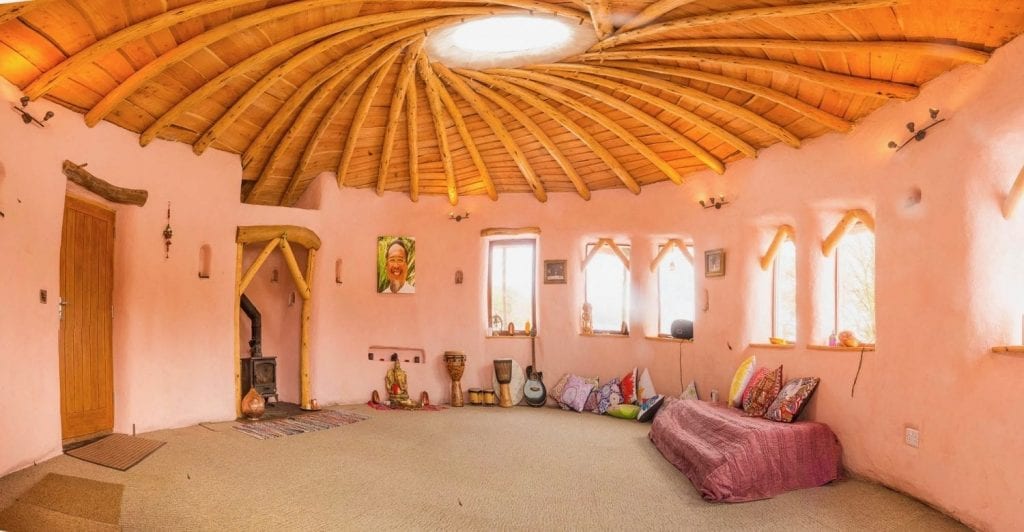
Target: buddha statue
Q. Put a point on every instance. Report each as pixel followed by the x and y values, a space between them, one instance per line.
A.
pixel 395 380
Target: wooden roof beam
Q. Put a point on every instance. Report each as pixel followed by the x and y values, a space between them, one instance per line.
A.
pixel 742 15
pixel 467 138
pixel 651 13
pixel 437 116
pixel 506 139
pixel 359 118
pixel 556 153
pixel 411 122
pixel 658 126
pixel 840 82
pixel 601 15
pixel 568 123
pixel 406 74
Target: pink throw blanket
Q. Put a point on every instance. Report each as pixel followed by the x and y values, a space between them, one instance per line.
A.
pixel 729 457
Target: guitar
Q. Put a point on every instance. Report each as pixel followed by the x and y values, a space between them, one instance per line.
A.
pixel 534 391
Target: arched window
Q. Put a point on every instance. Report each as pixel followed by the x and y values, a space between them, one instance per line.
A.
pixel 606 278
pixel 674 267
pixel 852 247
pixel 781 259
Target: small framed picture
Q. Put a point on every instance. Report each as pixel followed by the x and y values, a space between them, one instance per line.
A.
pixel 714 263
pixel 554 272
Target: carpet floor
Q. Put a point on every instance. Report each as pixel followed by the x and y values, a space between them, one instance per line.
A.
pixel 462 468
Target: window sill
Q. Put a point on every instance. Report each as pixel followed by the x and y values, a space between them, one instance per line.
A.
pixel 669 339
pixel 1009 349
pixel 509 336
pixel 606 335
pixel 774 346
pixel 840 348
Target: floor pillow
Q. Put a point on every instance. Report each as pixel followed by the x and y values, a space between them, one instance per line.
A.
pixel 608 395
pixel 740 380
pixel 758 375
pixel 765 392
pixel 624 411
pixel 591 404
pixel 645 387
pixel 792 399
pixel 574 396
pixel 649 408
pixel 628 387
pixel 556 391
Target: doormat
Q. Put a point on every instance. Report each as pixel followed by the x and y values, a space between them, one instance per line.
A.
pixel 60 502
pixel 117 451
pixel 312 422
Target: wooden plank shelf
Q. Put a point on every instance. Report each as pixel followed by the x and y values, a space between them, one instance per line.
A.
pixel 773 346
pixel 1009 349
pixel 867 348
pixel 669 339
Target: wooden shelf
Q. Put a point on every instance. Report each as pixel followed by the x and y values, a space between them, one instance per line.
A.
pixel 605 335
pixel 1009 349
pixel 509 336
pixel 773 346
pixel 868 348
pixel 669 339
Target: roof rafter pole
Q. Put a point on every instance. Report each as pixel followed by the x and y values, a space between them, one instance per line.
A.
pixel 411 122
pixel 170 18
pixel 601 15
pixel 467 138
pixel 658 126
pixel 533 128
pixel 809 111
pixel 700 97
pixel 742 15
pixel 510 144
pixel 395 113
pixel 691 117
pixel 841 82
pixel 651 13
pixel 437 118
pixel 359 118
pixel 568 123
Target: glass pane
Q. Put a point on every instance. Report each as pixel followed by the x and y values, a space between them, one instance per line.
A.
pixel 784 304
pixel 855 272
pixel 675 290
pixel 512 272
pixel 608 289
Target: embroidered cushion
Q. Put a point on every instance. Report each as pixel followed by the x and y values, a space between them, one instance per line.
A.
pixel 608 395
pixel 624 411
pixel 758 375
pixel 740 380
pixel 645 387
pixel 556 391
pixel 591 404
pixel 628 387
pixel 690 393
pixel 649 408
pixel 764 393
pixel 574 396
pixel 792 399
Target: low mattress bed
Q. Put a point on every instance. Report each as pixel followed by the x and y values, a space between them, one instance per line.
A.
pixel 733 458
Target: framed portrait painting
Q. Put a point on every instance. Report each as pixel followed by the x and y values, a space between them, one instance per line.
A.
pixel 554 272
pixel 396 265
pixel 714 263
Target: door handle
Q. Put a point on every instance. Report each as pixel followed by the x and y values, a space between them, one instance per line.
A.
pixel 60 308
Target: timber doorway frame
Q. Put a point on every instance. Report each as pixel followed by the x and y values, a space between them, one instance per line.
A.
pixel 280 237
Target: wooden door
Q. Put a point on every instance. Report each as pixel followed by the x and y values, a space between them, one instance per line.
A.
pixel 86 287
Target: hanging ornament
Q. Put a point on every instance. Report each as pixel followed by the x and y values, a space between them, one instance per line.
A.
pixel 168 233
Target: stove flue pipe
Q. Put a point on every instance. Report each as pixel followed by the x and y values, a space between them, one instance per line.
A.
pixel 256 343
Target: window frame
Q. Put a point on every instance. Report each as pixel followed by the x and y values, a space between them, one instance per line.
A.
pixel 854 228
pixel 687 250
pixel 508 242
pixel 626 281
pixel 774 293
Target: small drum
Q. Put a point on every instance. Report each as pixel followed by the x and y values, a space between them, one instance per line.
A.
pixel 476 396
pixel 456 363
pixel 488 397
pixel 503 372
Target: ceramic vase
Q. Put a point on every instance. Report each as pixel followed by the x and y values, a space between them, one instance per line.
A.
pixel 253 405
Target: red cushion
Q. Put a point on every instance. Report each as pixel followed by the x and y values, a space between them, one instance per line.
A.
pixel 764 393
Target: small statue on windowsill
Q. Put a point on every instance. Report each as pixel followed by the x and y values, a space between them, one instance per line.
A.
pixel 587 325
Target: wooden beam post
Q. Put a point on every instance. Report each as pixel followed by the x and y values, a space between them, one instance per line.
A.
pixel 238 342
pixel 849 220
pixel 293 267
pixel 1014 196
pixel 785 232
pixel 244 280
pixel 78 175
pixel 305 387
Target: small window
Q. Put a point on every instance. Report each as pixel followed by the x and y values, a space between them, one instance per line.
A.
pixel 784 292
pixel 855 284
pixel 675 289
pixel 607 288
pixel 511 290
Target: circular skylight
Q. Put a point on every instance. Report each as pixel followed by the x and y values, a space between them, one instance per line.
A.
pixel 509 41
pixel 511 34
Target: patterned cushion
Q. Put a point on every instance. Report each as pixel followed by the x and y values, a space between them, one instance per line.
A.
pixel 740 380
pixel 624 411
pixel 792 399
pixel 649 408
pixel 556 390
pixel 608 396
pixel 758 375
pixel 591 404
pixel 690 392
pixel 645 387
pixel 574 396
pixel 628 387
pixel 764 393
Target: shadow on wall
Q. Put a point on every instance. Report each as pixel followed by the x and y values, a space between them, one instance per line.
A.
pixel 3 174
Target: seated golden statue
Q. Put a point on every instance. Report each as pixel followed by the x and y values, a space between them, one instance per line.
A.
pixel 395 380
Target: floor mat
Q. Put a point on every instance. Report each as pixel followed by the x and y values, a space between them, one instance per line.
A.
pixel 311 422
pixel 60 502
pixel 117 451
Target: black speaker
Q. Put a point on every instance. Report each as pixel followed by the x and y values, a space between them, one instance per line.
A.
pixel 682 329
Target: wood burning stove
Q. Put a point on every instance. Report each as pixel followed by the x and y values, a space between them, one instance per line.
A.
pixel 260 373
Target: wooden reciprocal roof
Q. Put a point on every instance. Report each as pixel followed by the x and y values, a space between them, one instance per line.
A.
pixel 302 87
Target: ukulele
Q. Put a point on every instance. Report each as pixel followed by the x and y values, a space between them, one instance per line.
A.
pixel 534 391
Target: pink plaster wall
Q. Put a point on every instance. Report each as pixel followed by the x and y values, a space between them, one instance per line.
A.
pixel 949 286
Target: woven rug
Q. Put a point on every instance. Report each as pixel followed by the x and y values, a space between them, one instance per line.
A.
pixel 117 451
pixel 60 502
pixel 299 424
pixel 425 408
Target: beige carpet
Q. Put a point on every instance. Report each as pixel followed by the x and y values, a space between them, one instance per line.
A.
pixel 60 502
pixel 462 468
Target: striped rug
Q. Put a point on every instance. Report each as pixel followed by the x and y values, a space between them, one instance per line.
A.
pixel 299 424
pixel 117 451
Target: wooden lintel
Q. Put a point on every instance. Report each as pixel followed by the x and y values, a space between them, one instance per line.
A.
pixel 1014 196
pixel 849 220
pixel 263 233
pixel 602 242
pixel 785 232
pixel 666 248
pixel 78 175
pixel 509 231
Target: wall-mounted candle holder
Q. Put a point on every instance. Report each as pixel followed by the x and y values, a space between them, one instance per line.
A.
pixel 204 261
pixel 337 271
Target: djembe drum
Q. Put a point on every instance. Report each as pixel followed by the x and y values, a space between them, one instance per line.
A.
pixel 456 363
pixel 503 372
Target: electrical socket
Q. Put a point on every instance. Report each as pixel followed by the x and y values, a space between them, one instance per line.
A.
pixel 912 437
